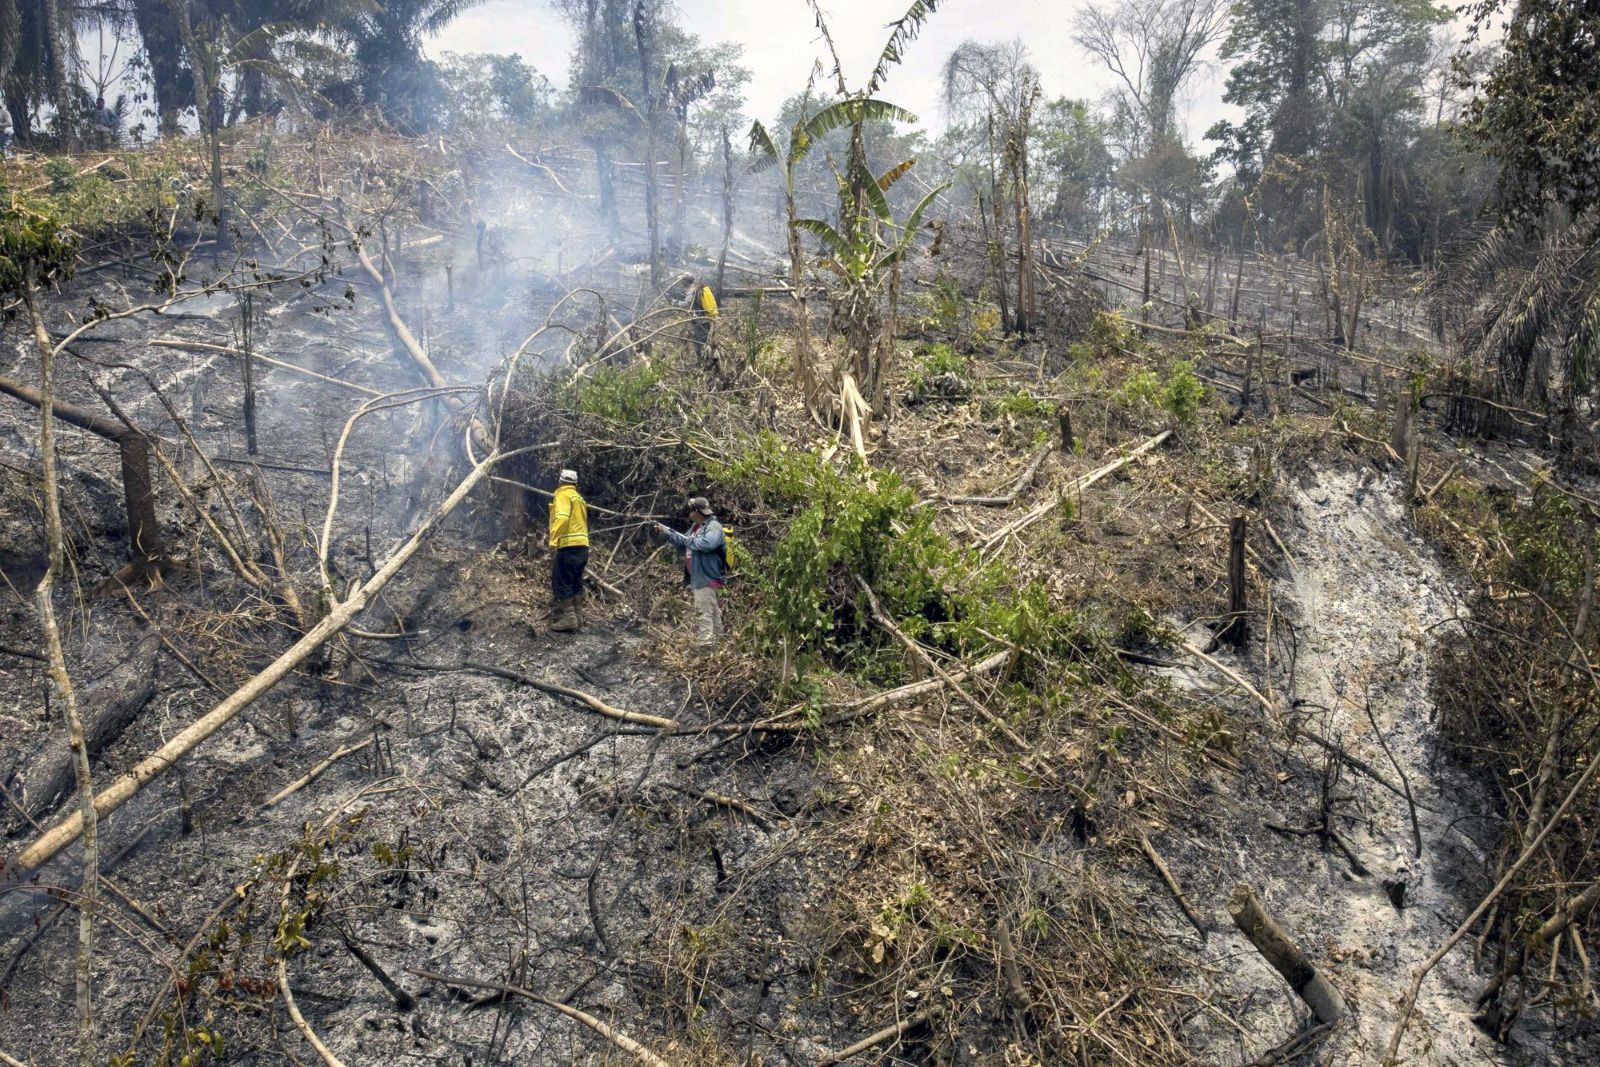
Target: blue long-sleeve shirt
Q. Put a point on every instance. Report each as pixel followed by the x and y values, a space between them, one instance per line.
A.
pixel 702 548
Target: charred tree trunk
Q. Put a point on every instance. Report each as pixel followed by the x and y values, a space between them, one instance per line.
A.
pixel 1017 153
pixel 644 34
pixel 144 534
pixel 246 342
pixel 1236 630
pixel 727 210
pixel 805 370
pixel 110 704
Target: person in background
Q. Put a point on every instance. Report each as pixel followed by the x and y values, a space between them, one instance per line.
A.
pixel 702 316
pixel 569 540
pixel 705 565
pixel 106 123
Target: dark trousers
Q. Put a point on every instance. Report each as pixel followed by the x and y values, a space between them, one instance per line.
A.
pixel 566 573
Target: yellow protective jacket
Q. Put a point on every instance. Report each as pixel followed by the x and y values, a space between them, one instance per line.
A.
pixel 569 519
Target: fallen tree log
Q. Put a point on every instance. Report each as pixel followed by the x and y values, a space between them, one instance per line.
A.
pixel 905 694
pixel 1172 884
pixel 1285 956
pixel 109 705
pixel 1017 488
pixel 310 776
pixel 163 759
pixel 1077 485
pixel 1570 910
pixel 880 617
pixel 888 1033
pixel 201 346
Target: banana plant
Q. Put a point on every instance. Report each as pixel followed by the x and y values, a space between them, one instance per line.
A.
pixel 865 251
pixel 857 251
pixel 803 136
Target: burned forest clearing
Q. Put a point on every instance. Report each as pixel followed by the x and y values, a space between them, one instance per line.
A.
pixel 1148 618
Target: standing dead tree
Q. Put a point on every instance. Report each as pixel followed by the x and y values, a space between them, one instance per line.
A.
pixel 788 159
pixel 39 251
pixel 997 84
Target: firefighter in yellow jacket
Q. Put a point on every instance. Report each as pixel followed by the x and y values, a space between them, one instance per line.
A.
pixel 702 316
pixel 569 541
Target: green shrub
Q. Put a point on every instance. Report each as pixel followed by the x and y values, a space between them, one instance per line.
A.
pixel 750 337
pixel 1546 541
pixel 61 174
pixel 865 523
pixel 1109 333
pixel 947 308
pixel 34 245
pixel 1183 392
pixel 847 525
pixel 1142 387
pixel 940 358
pixel 1021 404
pixel 620 396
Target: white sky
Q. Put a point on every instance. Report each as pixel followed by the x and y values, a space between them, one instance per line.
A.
pixel 781 44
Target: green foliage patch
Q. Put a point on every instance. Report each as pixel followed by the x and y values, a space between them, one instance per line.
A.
pixel 618 396
pixel 858 522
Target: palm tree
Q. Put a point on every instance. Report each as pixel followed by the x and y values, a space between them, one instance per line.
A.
pixel 1527 309
pixel 170 80
pixel 386 41
pixel 38 56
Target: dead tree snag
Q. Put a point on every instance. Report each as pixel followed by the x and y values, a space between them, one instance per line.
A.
pixel 138 489
pixel 1236 630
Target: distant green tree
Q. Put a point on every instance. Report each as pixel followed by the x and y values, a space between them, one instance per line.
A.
pixel 1075 166
pixel 1332 92
pixel 483 90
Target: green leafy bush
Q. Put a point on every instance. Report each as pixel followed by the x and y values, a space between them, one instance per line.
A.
pixel 1109 333
pixel 33 245
pixel 1142 387
pixel 847 525
pixel 947 308
pixel 861 522
pixel 1182 393
pixel 620 396
pixel 1020 404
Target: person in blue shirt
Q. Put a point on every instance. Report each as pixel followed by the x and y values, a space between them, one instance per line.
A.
pixel 705 565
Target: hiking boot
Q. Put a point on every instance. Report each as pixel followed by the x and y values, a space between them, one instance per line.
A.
pixel 564 617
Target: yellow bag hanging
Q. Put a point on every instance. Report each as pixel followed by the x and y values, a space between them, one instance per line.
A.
pixel 708 302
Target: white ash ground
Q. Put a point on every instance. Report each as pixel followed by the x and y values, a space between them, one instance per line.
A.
pixel 1366 600
pixel 1369 600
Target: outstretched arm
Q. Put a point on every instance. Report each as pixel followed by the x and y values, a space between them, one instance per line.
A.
pixel 709 539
